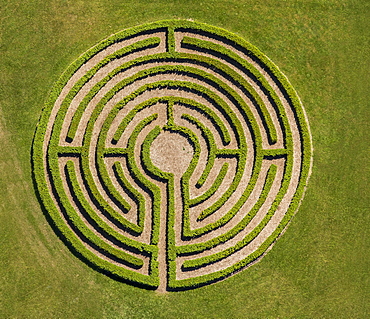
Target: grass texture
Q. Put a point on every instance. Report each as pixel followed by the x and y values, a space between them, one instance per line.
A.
pixel 320 266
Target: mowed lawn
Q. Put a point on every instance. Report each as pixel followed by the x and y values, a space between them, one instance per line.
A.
pixel 319 268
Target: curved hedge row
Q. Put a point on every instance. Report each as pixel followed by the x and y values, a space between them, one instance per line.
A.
pixel 200 57
pixel 241 154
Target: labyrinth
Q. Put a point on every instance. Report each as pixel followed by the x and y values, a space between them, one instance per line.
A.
pixel 171 155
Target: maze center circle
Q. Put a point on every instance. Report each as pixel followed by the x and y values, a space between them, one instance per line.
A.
pixel 172 155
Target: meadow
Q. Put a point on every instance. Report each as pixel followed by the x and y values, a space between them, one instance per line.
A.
pixel 318 269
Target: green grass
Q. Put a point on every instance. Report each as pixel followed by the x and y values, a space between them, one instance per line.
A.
pixel 320 266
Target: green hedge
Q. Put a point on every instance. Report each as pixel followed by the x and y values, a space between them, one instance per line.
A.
pixel 70 224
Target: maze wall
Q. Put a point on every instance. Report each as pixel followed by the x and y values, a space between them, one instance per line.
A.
pixel 171 155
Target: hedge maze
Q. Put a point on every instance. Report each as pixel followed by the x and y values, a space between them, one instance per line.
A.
pixel 171 155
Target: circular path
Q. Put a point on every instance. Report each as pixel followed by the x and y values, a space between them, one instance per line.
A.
pixel 172 155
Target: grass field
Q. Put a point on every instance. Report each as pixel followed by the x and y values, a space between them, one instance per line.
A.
pixel 318 269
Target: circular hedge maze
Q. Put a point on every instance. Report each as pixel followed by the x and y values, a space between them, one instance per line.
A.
pixel 171 155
